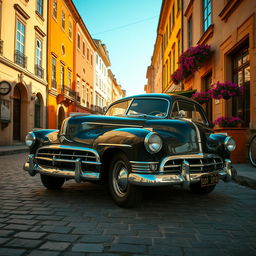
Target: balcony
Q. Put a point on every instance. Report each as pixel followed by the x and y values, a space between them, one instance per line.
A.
pixel 68 93
pixel 20 59
pixel 39 71
pixel 1 47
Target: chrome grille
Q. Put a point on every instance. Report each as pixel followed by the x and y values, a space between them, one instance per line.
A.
pixel 65 157
pixel 198 164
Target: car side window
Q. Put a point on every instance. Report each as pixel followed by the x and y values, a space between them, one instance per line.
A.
pixel 188 110
pixel 118 109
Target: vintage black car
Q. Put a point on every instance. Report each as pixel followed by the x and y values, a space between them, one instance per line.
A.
pixel 143 140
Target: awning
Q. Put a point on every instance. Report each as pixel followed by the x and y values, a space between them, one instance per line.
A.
pixel 184 93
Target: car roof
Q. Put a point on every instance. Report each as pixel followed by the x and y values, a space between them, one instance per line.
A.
pixel 157 95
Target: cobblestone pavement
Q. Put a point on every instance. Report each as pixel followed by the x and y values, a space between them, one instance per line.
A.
pixel 81 219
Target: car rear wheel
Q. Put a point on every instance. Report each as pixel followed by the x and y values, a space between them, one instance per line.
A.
pixel 124 194
pixel 52 182
pixel 197 189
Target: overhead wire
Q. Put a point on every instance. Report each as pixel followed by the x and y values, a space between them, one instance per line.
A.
pixel 126 25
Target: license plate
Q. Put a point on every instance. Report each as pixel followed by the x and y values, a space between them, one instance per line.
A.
pixel 209 179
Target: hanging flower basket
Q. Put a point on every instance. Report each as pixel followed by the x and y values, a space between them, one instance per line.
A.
pixel 228 121
pixel 202 97
pixel 225 90
pixel 190 61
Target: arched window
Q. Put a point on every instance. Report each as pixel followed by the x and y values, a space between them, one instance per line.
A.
pixel 37 112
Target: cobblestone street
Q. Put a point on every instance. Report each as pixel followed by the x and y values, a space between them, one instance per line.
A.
pixel 81 219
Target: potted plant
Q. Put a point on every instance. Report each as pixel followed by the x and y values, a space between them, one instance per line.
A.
pixel 202 97
pixel 226 90
pixel 190 61
pixel 228 121
pixel 232 126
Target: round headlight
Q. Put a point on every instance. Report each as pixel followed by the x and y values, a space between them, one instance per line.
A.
pixel 30 139
pixel 230 144
pixel 153 143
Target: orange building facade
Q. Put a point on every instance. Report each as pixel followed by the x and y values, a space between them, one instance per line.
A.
pixel 84 48
pixel 61 74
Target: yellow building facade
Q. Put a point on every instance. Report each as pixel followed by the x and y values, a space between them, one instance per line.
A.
pixel 169 28
pixel 23 81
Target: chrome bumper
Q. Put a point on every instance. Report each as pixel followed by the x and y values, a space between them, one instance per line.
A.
pixel 185 178
pixel 78 174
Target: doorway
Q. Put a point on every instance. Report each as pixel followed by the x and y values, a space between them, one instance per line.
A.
pixel 16 113
pixel 61 117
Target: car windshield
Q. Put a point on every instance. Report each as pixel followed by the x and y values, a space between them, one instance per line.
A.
pixel 188 110
pixel 148 107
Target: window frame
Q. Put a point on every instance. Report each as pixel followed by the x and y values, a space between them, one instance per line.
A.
pixel 208 19
pixel 40 7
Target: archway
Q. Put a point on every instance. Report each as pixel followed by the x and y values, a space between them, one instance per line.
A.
pixel 61 116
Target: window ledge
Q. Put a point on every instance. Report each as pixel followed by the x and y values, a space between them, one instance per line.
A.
pixel 39 15
pixel 228 9
pixel 206 35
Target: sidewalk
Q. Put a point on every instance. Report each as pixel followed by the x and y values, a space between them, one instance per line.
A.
pixel 246 173
pixel 8 150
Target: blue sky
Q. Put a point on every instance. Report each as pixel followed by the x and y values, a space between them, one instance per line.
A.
pixel 128 28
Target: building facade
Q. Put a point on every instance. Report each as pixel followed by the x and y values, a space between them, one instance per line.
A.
pixel 102 63
pixel 61 61
pixel 23 78
pixel 229 28
pixel 84 66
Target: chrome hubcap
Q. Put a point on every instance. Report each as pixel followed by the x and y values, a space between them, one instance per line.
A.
pixel 120 179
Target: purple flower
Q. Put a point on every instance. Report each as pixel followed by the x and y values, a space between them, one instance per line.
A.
pixel 228 121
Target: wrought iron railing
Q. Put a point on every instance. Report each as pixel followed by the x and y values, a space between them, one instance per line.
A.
pixel 20 59
pixel 68 92
pixel 39 71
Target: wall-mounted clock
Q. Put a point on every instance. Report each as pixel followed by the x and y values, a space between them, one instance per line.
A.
pixel 5 87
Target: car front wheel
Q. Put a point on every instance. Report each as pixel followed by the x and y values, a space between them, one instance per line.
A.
pixel 124 194
pixel 52 182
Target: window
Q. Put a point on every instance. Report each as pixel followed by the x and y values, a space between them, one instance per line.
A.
pixel 88 54
pixel 39 52
pixel 91 60
pixel 207 80
pixel 173 58
pixel 170 63
pixel 185 109
pixel 170 24
pixel 63 19
pixel 38 65
pixel 78 84
pixel 151 107
pixel 78 41
pixel 54 73
pixel 97 59
pixel 242 76
pixel 62 75
pixel 179 47
pixel 37 123
pixel 84 48
pixel 54 9
pixel 87 97
pixel 39 7
pixel 118 109
pixel 190 32
pixel 69 79
pixel 173 14
pixel 206 14
pixel 83 92
pixel 20 44
pixel 70 30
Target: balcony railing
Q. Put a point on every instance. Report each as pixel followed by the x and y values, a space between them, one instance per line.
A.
pixel 78 98
pixel 1 47
pixel 20 59
pixel 39 71
pixel 68 92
